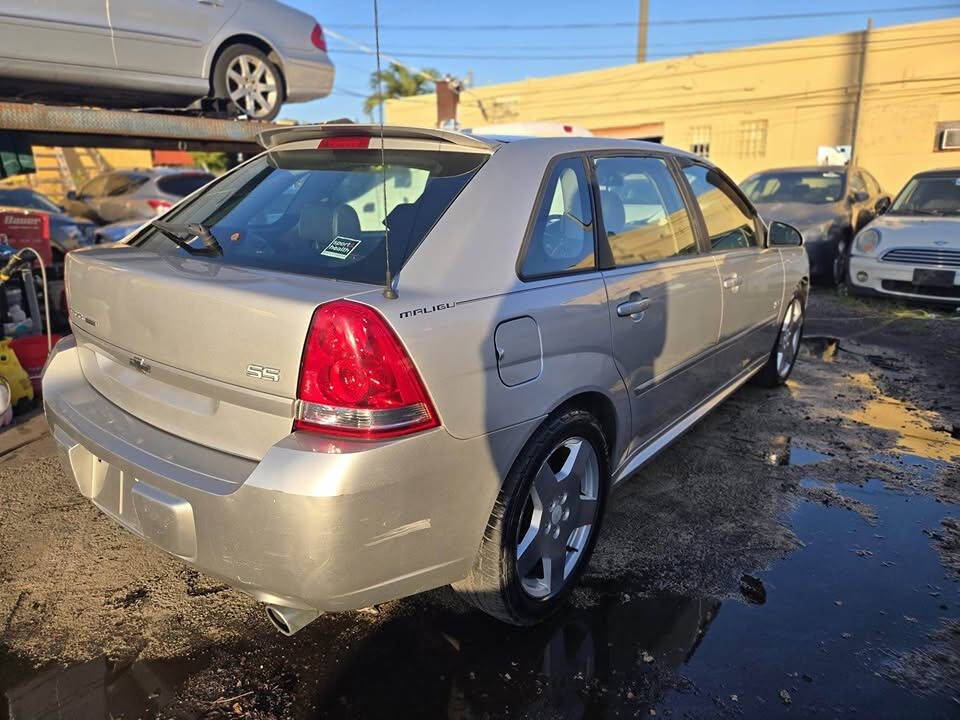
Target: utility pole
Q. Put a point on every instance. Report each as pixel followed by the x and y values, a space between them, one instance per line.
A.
pixel 642 32
pixel 857 109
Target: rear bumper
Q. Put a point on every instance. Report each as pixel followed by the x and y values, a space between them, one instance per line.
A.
pixel 896 280
pixel 317 524
pixel 307 75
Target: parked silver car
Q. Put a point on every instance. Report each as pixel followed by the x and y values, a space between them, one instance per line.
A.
pixel 255 54
pixel 133 194
pixel 243 390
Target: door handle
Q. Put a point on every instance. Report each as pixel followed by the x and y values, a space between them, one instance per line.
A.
pixel 632 308
pixel 732 282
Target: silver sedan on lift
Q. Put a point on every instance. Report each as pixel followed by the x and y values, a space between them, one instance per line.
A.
pixel 253 54
pixel 252 390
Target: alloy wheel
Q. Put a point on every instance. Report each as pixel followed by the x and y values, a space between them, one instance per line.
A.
pixel 789 341
pixel 252 85
pixel 558 518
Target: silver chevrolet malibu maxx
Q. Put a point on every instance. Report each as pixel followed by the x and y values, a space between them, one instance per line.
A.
pixel 252 390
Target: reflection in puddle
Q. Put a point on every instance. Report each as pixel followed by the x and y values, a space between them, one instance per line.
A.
pixel 914 428
pixel 784 452
pixel 96 689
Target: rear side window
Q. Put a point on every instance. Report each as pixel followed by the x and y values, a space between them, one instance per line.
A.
pixel 561 239
pixel 321 212
pixel 728 218
pixel 182 184
pixel 642 210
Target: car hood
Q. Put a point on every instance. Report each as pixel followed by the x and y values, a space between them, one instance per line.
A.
pixel 802 215
pixel 915 231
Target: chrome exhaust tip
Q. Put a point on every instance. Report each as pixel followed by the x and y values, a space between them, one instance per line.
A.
pixel 289 620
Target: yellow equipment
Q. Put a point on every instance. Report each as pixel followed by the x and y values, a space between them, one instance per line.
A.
pixel 21 390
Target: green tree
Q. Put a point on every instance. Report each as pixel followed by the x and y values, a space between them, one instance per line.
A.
pixel 397 81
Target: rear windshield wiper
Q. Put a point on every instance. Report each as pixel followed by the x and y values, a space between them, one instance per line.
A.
pixel 181 233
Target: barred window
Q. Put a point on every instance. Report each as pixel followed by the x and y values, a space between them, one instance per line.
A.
pixel 753 139
pixel 700 141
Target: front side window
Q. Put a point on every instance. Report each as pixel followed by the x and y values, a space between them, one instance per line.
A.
pixel 317 212
pixel 856 183
pixel 561 240
pixel 95 187
pixel 929 195
pixel 729 220
pixel 643 213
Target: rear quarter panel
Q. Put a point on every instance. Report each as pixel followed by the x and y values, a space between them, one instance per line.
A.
pixel 462 283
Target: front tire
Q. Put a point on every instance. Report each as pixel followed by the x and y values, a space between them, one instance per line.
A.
pixel 544 524
pixel 251 84
pixel 783 356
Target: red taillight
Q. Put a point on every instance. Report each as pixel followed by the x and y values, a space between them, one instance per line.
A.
pixel 317 38
pixel 159 206
pixel 568 128
pixel 356 379
pixel 350 142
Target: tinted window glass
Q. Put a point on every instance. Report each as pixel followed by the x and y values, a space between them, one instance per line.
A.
pixel 642 210
pixel 182 184
pixel 321 212
pixel 95 187
pixel 562 237
pixel 118 184
pixel 819 187
pixel 929 195
pixel 729 221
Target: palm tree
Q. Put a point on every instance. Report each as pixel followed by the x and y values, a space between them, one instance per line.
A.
pixel 397 81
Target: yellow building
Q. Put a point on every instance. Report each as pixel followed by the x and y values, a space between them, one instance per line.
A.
pixel 756 107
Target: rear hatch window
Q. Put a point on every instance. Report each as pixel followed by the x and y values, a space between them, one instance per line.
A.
pixel 182 184
pixel 322 212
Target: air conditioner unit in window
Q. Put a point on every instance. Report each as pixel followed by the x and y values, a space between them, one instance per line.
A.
pixel 950 139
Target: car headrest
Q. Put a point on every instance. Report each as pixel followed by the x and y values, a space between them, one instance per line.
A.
pixel 614 216
pixel 320 224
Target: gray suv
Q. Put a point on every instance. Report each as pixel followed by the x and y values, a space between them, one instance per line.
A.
pixel 133 194
pixel 250 389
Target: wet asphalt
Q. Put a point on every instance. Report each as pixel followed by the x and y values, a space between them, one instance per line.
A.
pixel 797 554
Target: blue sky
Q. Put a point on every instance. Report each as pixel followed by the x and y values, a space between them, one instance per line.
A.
pixel 500 55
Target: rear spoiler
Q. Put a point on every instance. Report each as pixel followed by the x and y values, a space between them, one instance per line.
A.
pixel 278 136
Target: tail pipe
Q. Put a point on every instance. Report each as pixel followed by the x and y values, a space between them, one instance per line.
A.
pixel 289 620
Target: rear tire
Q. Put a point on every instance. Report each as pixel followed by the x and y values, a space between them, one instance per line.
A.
pixel 243 76
pixel 783 356
pixel 538 539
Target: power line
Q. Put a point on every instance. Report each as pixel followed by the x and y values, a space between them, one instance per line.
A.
pixel 615 56
pixel 632 23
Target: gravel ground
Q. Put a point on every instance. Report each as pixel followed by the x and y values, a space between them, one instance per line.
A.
pixel 717 529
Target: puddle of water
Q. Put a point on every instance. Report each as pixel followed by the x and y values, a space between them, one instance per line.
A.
pixel 92 690
pixel 926 468
pixel 915 432
pixel 805 456
pixel 783 451
pixel 820 623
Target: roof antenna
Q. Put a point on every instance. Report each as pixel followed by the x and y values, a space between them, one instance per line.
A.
pixel 388 292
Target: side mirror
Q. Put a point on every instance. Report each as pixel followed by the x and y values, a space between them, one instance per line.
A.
pixel 785 235
pixel 71 195
pixel 883 204
pixel 860 196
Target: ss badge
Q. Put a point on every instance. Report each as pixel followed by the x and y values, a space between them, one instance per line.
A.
pixel 263 373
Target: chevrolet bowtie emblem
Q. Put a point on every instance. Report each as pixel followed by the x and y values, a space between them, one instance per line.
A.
pixel 139 364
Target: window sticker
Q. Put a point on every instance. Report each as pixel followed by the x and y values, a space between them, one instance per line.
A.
pixel 341 247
